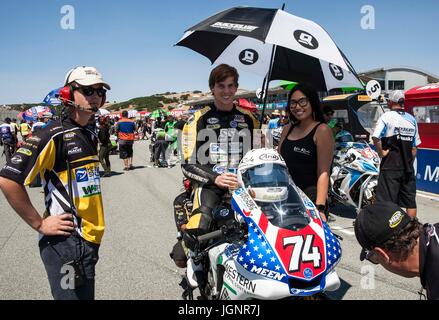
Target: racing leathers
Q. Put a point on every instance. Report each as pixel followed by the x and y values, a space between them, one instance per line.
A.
pixel 212 142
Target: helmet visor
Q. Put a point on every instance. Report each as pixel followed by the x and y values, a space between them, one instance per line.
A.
pixel 266 175
pixel 276 195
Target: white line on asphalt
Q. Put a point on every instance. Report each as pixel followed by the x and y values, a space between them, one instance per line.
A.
pixel 341 229
pixel 427 195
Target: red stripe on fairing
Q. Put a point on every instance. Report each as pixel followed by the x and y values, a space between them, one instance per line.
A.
pixel 263 223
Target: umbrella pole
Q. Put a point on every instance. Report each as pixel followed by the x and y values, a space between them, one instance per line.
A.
pixel 267 82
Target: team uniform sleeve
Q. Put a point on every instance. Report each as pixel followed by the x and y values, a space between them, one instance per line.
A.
pixel 35 156
pixel 380 128
pixel 417 138
pixel 190 167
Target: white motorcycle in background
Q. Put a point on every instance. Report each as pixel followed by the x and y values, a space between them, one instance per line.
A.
pixel 273 243
pixel 354 175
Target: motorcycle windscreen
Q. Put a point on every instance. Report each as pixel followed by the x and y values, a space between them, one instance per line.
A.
pixel 276 195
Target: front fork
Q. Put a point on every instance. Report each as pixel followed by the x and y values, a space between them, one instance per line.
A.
pixel 363 188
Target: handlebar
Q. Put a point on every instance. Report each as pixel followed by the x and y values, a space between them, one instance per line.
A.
pixel 211 235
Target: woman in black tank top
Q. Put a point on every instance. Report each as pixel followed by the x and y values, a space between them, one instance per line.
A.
pixel 307 144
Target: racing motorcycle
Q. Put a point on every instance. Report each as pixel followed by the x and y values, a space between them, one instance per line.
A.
pixel 272 242
pixel 354 174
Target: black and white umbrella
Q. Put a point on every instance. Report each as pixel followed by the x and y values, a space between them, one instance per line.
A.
pixel 275 43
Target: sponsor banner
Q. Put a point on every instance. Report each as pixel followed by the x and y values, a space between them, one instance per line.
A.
pixel 427 170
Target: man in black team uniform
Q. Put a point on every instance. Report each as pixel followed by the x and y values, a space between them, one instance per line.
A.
pixel 69 235
pixel 401 244
pixel 214 140
pixel 396 138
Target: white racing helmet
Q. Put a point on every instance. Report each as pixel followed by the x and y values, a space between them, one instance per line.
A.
pixel 264 174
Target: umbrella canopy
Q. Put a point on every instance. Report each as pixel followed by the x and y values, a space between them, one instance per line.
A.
pixel 244 38
pixel 103 112
pixel 287 85
pixel 144 113
pixel 51 98
pixel 244 103
pixel 34 113
pixel 159 113
pixel 178 111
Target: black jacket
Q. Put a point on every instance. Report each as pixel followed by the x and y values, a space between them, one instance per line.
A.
pixel 429 260
pixel 104 135
pixel 205 135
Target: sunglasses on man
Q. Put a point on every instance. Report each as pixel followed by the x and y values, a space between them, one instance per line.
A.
pixel 89 91
pixel 371 256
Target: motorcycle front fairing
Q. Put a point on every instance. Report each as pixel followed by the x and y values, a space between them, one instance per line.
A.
pixel 289 252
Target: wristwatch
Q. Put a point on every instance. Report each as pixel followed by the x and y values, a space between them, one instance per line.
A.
pixel 321 207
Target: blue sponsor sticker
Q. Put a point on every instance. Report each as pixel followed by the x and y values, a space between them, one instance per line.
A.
pixel 294 291
pixel 219 169
pixel 233 124
pixel 81 175
pixel 307 273
pixel 239 191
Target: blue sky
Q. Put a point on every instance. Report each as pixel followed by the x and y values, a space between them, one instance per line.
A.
pixel 131 42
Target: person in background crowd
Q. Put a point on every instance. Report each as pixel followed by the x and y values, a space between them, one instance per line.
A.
pixel 16 128
pixel 266 119
pixel 275 120
pixel 25 129
pixel 104 145
pixel 126 128
pixel 42 122
pixel 328 114
pixel 8 138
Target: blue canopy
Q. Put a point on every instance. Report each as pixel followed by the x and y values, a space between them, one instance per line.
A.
pixel 51 98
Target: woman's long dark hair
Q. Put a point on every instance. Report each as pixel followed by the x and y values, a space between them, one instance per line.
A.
pixel 313 98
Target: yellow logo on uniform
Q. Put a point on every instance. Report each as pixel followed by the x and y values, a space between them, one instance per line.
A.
pixel 25 151
pixel 396 219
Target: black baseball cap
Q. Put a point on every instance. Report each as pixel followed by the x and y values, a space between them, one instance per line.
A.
pixel 377 223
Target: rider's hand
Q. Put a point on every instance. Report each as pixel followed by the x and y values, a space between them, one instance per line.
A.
pixel 226 180
pixel 384 153
pixel 61 225
pixel 322 216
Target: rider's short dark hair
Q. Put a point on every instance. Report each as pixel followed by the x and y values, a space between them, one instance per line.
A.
pixel 221 73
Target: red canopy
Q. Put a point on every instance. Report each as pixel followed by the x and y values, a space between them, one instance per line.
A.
pixel 423 95
pixel 244 103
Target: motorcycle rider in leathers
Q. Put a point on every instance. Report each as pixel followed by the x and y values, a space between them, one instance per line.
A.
pixel 214 139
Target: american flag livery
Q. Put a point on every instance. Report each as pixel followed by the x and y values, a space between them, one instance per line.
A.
pixel 279 253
